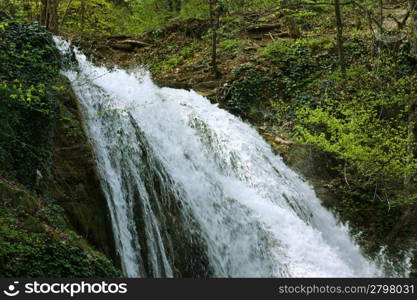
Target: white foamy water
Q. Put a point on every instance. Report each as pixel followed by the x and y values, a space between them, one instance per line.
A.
pixel 250 214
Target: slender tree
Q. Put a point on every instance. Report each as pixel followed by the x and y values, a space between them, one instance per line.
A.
pixel 339 27
pixel 412 8
pixel 411 103
pixel 82 17
pixel 214 24
pixel 66 12
pixel 49 15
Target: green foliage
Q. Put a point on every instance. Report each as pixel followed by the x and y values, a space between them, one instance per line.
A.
pixel 167 65
pixel 299 63
pixel 300 59
pixel 232 47
pixel 188 51
pixel 250 5
pixel 248 89
pixel 25 254
pixel 354 130
pixel 27 49
pixel 33 243
pixel 34 237
pixel 93 17
pixel 30 64
pixel 365 123
pixel 19 10
pixel 152 14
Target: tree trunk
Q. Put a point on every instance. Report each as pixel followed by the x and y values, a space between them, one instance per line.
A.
pixel 53 16
pixel 66 12
pixel 340 49
pixel 412 6
pixel 214 23
pixel 43 12
pixel 408 181
pixel 381 13
pixel 82 17
pixel 49 15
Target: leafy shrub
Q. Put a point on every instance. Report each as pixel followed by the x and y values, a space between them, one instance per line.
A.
pixel 33 251
pixel 167 65
pixel 30 65
pixel 365 123
pixel 35 239
pixel 232 46
pixel 96 16
pixel 302 59
pixel 248 89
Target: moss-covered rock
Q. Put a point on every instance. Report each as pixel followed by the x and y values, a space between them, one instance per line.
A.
pixel 35 240
pixel 52 209
pixel 76 184
pixel 29 66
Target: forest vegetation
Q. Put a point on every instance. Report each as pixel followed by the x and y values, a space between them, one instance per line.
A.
pixel 335 80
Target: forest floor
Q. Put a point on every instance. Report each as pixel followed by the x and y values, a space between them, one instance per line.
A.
pixel 179 55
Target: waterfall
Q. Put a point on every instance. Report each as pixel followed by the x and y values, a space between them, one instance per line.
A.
pixel 194 191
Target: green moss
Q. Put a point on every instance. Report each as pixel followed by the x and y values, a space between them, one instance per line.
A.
pixel 36 237
pixel 18 199
pixel 32 224
pixel 232 46
pixel 249 89
pixel 167 65
pixel 35 245
pixel 29 64
pixel 76 186
pixel 30 254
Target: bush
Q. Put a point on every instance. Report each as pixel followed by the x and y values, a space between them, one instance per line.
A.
pixel 32 249
pixel 35 239
pixel 301 60
pixel 248 89
pixel 30 65
pixel 232 46
pixel 365 123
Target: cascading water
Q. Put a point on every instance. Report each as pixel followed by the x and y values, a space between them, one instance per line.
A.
pixel 194 191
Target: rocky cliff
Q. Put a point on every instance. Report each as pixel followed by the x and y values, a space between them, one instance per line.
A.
pixel 53 216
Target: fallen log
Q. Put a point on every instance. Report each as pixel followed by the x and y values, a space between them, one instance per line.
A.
pixel 263 27
pixel 129 45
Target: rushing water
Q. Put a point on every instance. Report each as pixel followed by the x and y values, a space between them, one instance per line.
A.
pixel 194 191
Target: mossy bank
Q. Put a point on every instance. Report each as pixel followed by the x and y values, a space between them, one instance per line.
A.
pixel 51 226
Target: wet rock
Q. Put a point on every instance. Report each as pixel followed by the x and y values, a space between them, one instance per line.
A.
pixel 76 185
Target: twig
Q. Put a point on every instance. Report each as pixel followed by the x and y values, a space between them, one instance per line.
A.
pixel 347 182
